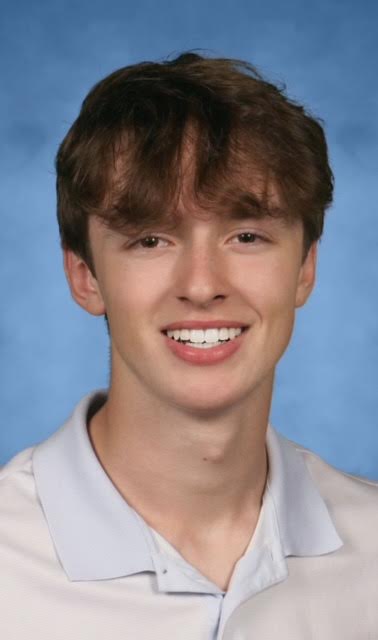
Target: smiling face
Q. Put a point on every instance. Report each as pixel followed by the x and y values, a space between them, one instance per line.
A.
pixel 248 271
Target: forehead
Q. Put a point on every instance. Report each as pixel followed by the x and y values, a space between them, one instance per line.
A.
pixel 245 208
pixel 167 197
pixel 256 198
pixel 242 185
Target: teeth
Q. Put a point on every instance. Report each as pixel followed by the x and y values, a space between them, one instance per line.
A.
pixel 209 336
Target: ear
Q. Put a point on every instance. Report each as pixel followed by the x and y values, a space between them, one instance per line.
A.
pixel 306 278
pixel 83 285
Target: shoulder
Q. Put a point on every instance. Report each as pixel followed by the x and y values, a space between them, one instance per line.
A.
pixel 352 500
pixel 18 467
pixel 17 487
pixel 334 478
pixel 24 536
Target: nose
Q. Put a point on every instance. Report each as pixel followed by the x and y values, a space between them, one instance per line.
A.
pixel 201 276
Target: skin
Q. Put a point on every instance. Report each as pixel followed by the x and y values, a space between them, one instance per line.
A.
pixel 185 444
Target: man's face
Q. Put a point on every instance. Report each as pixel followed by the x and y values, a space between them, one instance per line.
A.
pixel 249 272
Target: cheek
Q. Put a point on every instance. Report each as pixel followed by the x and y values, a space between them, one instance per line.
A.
pixel 272 298
pixel 272 291
pixel 130 297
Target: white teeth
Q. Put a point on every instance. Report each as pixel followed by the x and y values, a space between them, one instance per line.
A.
pixel 224 334
pixel 201 337
pixel 197 335
pixel 211 335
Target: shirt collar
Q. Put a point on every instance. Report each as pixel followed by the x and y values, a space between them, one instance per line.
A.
pixel 97 535
pixel 305 525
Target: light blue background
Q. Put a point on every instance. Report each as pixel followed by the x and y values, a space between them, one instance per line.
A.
pixel 51 53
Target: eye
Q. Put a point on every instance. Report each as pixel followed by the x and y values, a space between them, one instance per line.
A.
pixel 249 237
pixel 148 242
pixel 152 241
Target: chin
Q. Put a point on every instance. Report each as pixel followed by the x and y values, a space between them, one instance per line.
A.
pixel 206 403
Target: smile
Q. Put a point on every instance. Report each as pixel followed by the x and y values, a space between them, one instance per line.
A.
pixel 205 339
pixel 225 343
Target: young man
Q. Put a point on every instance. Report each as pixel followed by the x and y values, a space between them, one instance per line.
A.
pixel 191 197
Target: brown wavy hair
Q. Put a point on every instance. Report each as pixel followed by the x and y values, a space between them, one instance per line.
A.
pixel 122 160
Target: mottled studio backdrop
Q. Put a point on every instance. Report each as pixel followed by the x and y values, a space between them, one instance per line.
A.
pixel 51 53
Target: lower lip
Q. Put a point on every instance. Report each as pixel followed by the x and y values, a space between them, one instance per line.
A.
pixel 205 356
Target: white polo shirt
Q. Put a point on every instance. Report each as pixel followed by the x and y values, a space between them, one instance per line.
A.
pixel 77 562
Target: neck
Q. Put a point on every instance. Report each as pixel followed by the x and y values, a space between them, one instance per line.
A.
pixel 186 475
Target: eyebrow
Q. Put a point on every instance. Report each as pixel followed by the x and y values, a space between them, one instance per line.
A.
pixel 246 208
pixel 247 205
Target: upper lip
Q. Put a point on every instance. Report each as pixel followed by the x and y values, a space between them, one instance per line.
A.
pixel 203 324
